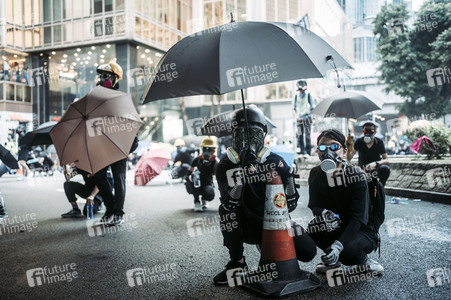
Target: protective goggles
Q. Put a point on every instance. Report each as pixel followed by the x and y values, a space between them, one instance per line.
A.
pixel 332 147
pixel 105 75
pixel 370 131
pixel 209 149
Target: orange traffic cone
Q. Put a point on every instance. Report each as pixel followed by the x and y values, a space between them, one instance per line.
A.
pixel 278 274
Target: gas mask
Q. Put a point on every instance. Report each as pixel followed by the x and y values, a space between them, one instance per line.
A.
pixel 256 139
pixel 329 159
pixel 106 80
pixel 207 153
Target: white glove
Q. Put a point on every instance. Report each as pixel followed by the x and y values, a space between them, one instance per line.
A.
pixel 331 220
pixel 332 253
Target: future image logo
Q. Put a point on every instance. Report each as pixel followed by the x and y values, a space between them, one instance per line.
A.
pixel 438 276
pixel 251 74
pixel 438 76
pixel 158 273
pixel 48 275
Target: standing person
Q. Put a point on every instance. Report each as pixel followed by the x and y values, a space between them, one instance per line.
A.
pixel 109 76
pixel 339 199
pixel 372 154
pixel 303 104
pixel 23 154
pixel 87 191
pixel 206 166
pixel 243 200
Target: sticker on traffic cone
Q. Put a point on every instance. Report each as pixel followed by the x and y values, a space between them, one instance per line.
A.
pixel 283 276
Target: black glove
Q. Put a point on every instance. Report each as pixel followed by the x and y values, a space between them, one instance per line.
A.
pixel 248 157
pixel 292 201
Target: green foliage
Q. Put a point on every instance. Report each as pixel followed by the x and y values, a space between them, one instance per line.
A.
pixel 407 53
pixel 438 134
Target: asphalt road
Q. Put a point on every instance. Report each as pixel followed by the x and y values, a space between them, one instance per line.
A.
pixel 83 261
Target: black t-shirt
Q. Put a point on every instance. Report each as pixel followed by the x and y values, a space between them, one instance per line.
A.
pixel 184 157
pixel 369 155
pixel 206 168
pixel 255 192
pixel 346 194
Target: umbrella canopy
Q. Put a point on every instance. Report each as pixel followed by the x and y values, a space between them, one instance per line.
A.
pixel 150 165
pixel 39 136
pixel 284 151
pixel 239 55
pixel 7 158
pixel 348 104
pixel 219 125
pixel 96 130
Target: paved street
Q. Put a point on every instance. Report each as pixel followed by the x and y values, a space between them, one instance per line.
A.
pixel 92 264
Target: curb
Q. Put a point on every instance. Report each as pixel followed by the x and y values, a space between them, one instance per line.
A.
pixel 416 194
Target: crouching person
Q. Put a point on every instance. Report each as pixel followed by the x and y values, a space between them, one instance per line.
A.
pixel 339 200
pixel 243 196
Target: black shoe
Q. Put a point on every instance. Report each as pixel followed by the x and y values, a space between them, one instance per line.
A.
pixel 106 218
pixel 97 206
pixel 116 220
pixel 221 278
pixel 73 213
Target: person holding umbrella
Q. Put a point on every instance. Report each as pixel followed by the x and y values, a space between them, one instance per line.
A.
pixel 23 153
pixel 200 182
pixel 372 154
pixel 109 76
pixel 303 104
pixel 243 196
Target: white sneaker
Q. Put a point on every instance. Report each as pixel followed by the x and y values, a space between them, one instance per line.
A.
pixel 197 207
pixel 373 266
pixel 204 205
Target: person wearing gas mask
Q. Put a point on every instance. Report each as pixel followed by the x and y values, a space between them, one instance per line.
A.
pixel 109 76
pixel 181 158
pixel 372 154
pixel 242 177
pixel 339 200
pixel 199 179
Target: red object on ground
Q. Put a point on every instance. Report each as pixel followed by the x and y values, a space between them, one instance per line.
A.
pixel 150 165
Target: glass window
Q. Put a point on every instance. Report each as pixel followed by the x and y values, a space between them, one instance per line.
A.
pixel 97 6
pixel 98 27
pixel 10 35
pixel 67 9
pixel 37 41
pixel 138 7
pixel 9 89
pixel 47 10
pixel 78 10
pixel 358 49
pixel 57 33
pixel 37 12
pixel 370 48
pixel 78 34
pixel 138 26
pixel 208 15
pixel 27 94
pixel 9 11
pixel 108 5
pixel 19 93
pixel 146 29
pixel 120 24
pixel 18 13
pixel 19 38
pixel 28 38
pixel 47 35
pixel 67 32
pixel 120 4
pixel 27 12
pixel 87 9
pixel 109 26
pixel 218 14
pixel 56 10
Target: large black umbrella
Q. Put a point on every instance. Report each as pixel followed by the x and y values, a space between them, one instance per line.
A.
pixel 7 158
pixel 39 136
pixel 239 55
pixel 220 125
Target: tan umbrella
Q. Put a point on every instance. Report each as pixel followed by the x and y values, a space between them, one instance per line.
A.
pixel 96 130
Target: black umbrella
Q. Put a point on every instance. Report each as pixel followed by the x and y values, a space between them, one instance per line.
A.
pixel 220 125
pixel 7 158
pixel 39 136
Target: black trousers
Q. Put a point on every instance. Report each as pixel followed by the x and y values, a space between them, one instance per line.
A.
pixel 75 188
pixel 114 203
pixel 206 191
pixel 383 172
pixel 245 227
pixel 355 252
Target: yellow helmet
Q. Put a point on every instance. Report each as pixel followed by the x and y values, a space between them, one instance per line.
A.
pixel 179 142
pixel 111 67
pixel 207 142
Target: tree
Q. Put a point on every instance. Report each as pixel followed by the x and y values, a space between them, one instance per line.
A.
pixel 410 53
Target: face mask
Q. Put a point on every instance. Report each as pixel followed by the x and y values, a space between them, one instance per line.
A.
pixel 367 138
pixel 206 155
pixel 329 160
pixel 107 83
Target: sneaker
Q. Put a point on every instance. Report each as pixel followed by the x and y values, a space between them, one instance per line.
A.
pixel 97 206
pixel 197 207
pixel 322 268
pixel 106 218
pixel 73 213
pixel 116 220
pixel 373 266
pixel 221 278
pixel 204 204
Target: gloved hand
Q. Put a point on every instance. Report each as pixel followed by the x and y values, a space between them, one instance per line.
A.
pixel 332 253
pixel 292 201
pixel 247 157
pixel 331 220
